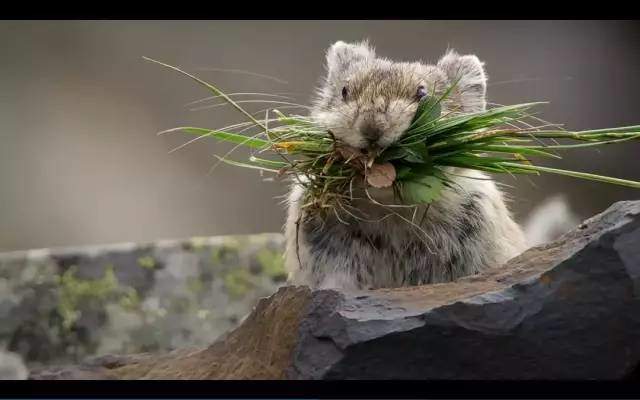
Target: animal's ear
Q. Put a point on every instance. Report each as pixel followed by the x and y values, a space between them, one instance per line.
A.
pixel 467 72
pixel 341 56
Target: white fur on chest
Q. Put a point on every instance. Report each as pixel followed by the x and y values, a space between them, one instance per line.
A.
pixel 466 231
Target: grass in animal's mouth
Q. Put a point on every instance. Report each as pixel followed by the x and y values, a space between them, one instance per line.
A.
pixel 500 140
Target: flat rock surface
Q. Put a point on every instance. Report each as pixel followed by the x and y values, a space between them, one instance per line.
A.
pixel 566 310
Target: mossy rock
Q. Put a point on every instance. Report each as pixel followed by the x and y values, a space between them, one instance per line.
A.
pixel 66 304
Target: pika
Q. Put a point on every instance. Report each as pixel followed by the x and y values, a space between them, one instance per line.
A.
pixel 368 102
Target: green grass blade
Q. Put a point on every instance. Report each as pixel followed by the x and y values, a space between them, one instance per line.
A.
pixel 590 144
pixel 245 165
pixel 575 174
pixel 268 163
pixel 527 150
pixel 209 86
pixel 254 143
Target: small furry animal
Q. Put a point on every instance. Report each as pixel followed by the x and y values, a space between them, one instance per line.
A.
pixel 368 102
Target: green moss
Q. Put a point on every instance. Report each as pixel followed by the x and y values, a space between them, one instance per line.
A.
pixel 76 292
pixel 272 264
pixel 216 256
pixel 225 254
pixel 179 305
pixel 198 243
pixel 195 285
pixel 238 282
pixel 130 301
pixel 147 262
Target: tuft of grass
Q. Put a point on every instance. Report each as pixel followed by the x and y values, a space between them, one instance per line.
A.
pixel 500 140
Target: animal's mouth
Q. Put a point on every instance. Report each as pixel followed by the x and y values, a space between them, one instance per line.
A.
pixel 376 174
pixel 361 155
pixel 373 151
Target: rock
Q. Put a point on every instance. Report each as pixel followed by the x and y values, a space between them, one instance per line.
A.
pixel 262 349
pixel 566 310
pixel 60 306
pixel 12 367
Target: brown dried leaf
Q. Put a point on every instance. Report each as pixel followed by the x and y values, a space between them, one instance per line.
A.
pixel 381 175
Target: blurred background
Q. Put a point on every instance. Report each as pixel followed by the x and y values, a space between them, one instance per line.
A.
pixel 80 162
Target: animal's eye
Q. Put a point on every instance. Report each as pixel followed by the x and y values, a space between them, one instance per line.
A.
pixel 421 92
pixel 345 92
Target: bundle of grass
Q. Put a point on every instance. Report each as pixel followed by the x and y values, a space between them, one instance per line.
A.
pixel 499 140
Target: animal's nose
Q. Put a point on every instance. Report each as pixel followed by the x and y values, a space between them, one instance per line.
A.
pixel 371 132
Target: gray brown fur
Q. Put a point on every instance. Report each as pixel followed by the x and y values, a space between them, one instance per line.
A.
pixel 464 232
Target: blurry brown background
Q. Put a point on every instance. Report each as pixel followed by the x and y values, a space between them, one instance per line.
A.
pixel 80 162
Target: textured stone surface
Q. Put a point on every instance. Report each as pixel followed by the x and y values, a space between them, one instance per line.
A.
pixel 63 305
pixel 261 349
pixel 12 367
pixel 566 310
